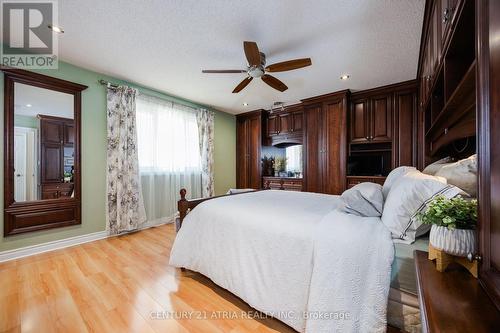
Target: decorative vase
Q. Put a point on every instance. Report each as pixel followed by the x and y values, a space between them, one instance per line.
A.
pixel 457 242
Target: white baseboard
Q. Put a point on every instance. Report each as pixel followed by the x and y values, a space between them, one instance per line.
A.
pixel 67 242
pixel 51 246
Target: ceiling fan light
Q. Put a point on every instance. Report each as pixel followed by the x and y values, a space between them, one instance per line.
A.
pixel 55 28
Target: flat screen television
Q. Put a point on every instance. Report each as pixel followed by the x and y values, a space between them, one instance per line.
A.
pixel 365 165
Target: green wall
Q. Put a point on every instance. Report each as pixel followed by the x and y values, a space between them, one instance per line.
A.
pixel 94 155
pixel 25 121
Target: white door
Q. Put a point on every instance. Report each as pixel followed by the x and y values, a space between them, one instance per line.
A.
pixel 20 141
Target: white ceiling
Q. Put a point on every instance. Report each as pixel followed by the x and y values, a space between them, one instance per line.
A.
pixel 42 101
pixel 165 44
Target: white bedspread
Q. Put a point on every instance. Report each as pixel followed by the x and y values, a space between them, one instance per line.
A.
pixel 293 256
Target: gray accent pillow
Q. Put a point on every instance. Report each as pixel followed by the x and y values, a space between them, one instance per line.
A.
pixel 365 199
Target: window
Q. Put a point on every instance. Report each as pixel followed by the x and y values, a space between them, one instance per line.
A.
pixel 169 155
pixel 167 136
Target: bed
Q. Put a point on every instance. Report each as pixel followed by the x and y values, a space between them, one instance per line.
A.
pixel 291 255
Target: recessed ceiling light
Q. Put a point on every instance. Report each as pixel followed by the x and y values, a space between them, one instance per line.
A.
pixel 245 104
pixel 57 29
pixel 344 76
pixel 28 105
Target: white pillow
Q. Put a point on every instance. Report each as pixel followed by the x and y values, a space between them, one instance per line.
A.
pixel 365 199
pixel 393 176
pixel 431 169
pixel 410 195
pixel 462 174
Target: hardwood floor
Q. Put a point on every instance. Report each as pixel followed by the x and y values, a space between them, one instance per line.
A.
pixel 120 284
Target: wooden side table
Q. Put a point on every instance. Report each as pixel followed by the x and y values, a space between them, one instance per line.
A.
pixel 453 301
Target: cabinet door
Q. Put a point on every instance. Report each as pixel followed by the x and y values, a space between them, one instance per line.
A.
pixel 285 123
pixel 51 131
pixel 435 34
pixel 313 143
pixel 242 153
pixel 272 125
pixel 359 121
pixel 254 165
pixel 448 11
pixel 381 118
pixel 51 163
pixel 334 131
pixel 405 130
pixel 69 134
pixel 297 119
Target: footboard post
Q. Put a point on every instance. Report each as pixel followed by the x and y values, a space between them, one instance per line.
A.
pixel 182 206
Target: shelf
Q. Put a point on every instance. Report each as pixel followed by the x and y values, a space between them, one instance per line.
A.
pixel 372 151
pixel 458 104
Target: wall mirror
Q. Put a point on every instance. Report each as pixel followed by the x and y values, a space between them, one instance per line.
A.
pixel 42 152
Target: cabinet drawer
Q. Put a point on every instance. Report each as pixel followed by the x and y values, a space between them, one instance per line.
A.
pixel 355 180
pixel 287 184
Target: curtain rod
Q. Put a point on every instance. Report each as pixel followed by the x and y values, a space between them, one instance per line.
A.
pixel 114 86
pixel 108 84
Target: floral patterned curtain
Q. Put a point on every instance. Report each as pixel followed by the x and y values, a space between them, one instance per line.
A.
pixel 125 207
pixel 205 119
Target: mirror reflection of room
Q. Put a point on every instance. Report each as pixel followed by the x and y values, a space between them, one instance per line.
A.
pixel 282 162
pixel 43 143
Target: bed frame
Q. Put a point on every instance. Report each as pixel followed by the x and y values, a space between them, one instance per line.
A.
pixel 185 205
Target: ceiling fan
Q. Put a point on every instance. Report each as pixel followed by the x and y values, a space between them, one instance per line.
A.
pixel 257 68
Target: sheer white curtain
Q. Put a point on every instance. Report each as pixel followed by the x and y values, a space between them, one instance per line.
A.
pixel 169 155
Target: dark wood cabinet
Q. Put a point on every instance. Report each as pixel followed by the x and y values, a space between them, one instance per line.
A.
pixel 284 126
pixel 285 123
pixel 371 119
pixel 57 137
pixel 461 103
pixel 313 148
pixel 381 118
pixel 55 191
pixel 359 123
pixel 248 148
pixel 405 144
pixel 51 163
pixel 69 134
pixel 355 180
pixel 279 183
pixel 272 127
pixel 325 141
pixel 297 120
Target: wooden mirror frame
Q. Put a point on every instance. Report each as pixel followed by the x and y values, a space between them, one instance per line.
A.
pixel 27 216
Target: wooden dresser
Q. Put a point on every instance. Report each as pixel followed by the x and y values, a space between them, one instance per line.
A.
pixel 282 183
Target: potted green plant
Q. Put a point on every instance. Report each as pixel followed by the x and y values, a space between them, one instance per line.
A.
pixel 453 224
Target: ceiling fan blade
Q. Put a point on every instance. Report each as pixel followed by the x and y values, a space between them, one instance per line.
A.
pixel 242 84
pixel 223 71
pixel 289 65
pixel 274 82
pixel 252 53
